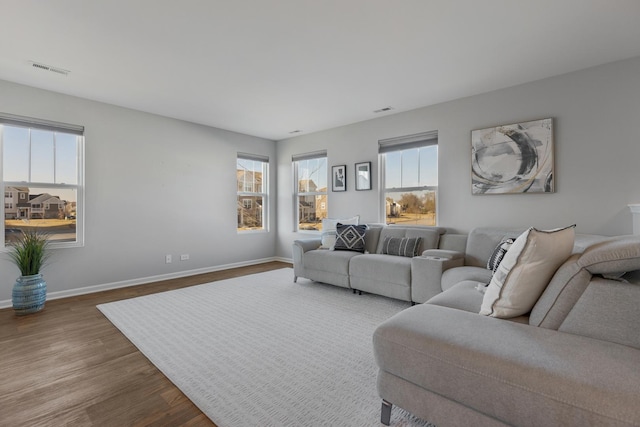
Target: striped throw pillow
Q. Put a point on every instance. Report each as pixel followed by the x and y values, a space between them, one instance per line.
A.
pixel 401 246
pixel 498 253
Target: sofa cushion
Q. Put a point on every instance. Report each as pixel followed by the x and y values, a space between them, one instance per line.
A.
pixel 467 296
pixel 608 311
pixel 519 374
pixel 379 274
pixel 610 257
pixel 350 238
pixel 386 268
pixel 329 261
pixel 461 296
pixel 482 241
pixel 371 238
pixel 616 255
pixel 526 270
pixel 456 275
pixel 329 234
pixel 401 246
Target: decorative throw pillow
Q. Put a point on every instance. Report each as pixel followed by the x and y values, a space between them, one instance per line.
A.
pixel 498 253
pixel 526 270
pixel 402 246
pixel 328 235
pixel 350 237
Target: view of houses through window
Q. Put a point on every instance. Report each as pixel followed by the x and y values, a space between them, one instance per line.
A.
pixel 41 180
pixel 410 179
pixel 311 190
pixel 251 174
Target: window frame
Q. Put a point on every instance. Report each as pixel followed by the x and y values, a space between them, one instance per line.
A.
pixel 264 193
pixel 420 140
pixel 79 187
pixel 295 159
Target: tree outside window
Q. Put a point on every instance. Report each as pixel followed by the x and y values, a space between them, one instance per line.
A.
pixel 410 174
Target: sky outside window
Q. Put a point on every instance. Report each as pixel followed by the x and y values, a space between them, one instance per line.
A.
pixel 313 170
pixel 416 167
pixel 46 161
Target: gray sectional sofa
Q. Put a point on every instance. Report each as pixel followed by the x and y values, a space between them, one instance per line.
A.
pixel 573 360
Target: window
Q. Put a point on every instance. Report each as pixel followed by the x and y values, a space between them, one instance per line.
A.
pixel 409 171
pixel 310 192
pixel 252 174
pixel 42 172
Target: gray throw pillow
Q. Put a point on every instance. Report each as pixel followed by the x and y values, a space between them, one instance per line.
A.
pixel 401 246
pixel 350 237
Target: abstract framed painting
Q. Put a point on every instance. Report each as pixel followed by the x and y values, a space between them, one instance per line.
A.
pixel 513 159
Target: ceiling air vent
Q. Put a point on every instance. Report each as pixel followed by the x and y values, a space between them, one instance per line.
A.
pixel 382 110
pixel 295 131
pixel 53 69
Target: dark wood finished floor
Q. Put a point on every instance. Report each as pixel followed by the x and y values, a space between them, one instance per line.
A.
pixel 69 366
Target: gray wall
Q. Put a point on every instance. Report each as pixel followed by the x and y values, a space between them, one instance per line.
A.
pixel 596 116
pixel 154 186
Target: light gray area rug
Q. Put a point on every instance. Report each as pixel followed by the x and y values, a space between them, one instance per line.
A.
pixel 260 350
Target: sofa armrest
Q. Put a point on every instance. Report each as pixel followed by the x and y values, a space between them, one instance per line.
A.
pixel 299 247
pixel 306 245
pixel 443 253
pixel 426 274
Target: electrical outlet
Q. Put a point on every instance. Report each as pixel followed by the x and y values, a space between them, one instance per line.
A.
pixel 167 259
pixel 184 257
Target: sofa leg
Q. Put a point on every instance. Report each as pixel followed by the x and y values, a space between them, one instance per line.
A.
pixel 359 292
pixel 413 303
pixel 385 413
pixel 295 279
pixel 354 291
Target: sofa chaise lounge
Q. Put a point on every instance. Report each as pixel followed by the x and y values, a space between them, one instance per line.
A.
pixel 573 360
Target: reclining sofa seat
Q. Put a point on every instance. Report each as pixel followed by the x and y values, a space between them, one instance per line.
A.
pixel 464 258
pixel 390 275
pixel 574 362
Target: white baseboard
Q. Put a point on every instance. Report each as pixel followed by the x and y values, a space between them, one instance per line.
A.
pixel 143 280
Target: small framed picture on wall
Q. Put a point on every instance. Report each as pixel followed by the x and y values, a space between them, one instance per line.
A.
pixel 363 176
pixel 339 178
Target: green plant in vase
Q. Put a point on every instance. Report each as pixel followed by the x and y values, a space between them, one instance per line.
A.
pixel 30 254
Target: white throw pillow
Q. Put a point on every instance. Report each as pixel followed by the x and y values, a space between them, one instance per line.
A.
pixel 329 233
pixel 525 271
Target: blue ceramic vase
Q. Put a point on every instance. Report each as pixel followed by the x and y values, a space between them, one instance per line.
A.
pixel 29 294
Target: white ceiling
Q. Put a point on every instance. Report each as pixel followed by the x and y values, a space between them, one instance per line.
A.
pixel 268 67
